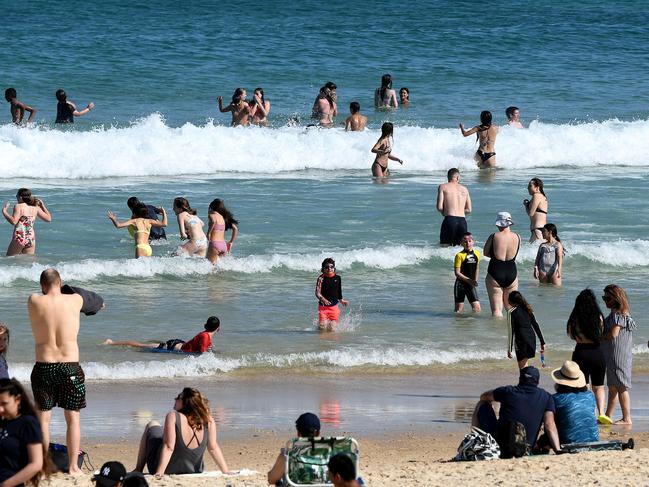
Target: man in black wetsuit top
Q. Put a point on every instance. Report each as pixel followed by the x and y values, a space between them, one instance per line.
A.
pixel 157 233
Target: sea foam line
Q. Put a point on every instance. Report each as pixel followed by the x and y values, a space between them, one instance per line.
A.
pixel 627 254
pixel 151 148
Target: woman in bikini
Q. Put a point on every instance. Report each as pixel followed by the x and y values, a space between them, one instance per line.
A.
pixel 325 108
pixel 220 220
pixel 383 151
pixel 141 225
pixel 502 275
pixel 486 134
pixel 536 208
pixel 191 228
pixel 23 217
pixel 259 108
pixel 239 108
pixel 385 96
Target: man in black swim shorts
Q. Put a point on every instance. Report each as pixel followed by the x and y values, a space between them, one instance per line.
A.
pixel 453 201
pixel 57 378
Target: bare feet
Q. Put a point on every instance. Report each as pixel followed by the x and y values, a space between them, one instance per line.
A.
pixel 108 341
pixel 624 422
pixel 75 471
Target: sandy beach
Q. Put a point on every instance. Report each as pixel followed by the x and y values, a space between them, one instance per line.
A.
pixel 407 460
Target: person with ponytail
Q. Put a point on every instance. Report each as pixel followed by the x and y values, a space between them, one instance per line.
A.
pixel 486 133
pixel 385 96
pixel 22 456
pixel 239 108
pixel 522 328
pixel 191 228
pixel 383 151
pixel 23 217
pixel 179 446
pixel 548 266
pixel 536 208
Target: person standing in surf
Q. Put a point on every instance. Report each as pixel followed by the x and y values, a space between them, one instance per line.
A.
pixel 239 107
pixel 536 208
pixel 18 108
pixel 514 117
pixel 383 151
pixel 66 110
pixel 453 201
pixel 23 217
pixel 486 134
pixel 385 96
pixel 329 291
pixel 467 269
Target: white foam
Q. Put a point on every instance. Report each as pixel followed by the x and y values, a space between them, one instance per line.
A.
pixel 627 254
pixel 151 148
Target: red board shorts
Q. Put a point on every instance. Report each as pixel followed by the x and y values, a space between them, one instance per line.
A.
pixel 328 313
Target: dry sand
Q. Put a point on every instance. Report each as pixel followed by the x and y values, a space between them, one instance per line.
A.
pixel 411 460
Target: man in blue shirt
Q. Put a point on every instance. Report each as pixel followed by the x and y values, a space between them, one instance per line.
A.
pixel 526 403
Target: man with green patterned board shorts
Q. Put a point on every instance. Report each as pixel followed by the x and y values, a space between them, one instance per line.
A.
pixel 57 378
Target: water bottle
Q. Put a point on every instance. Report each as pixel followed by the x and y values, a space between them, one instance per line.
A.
pixel 542 359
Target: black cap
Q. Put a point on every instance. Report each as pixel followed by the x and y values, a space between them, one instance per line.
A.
pixel 308 423
pixel 529 375
pixel 110 474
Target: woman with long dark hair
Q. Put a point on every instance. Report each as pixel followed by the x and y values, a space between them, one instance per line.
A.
pixel 585 326
pixel 23 217
pixel 385 96
pixel 179 446
pixel 191 228
pixel 536 208
pixel 21 439
pixel 239 107
pixel 486 134
pixel 523 326
pixel 383 151
pixel 141 225
pixel 259 108
pixel 618 350
pixel 220 220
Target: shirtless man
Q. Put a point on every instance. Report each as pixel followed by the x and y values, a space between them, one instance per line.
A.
pixel 18 108
pixel 514 117
pixel 453 201
pixel 57 378
pixel 355 122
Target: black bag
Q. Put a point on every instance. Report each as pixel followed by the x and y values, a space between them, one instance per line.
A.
pixel 512 439
pixel 59 456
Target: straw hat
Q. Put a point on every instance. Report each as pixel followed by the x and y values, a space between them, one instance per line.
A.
pixel 569 375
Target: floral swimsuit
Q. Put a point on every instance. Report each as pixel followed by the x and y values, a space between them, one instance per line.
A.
pixel 24 231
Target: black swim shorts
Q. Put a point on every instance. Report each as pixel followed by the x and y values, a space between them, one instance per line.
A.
pixel 461 290
pixel 170 344
pixel 59 384
pixel 592 362
pixel 453 228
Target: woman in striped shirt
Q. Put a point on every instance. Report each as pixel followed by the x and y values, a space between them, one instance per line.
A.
pixel 617 346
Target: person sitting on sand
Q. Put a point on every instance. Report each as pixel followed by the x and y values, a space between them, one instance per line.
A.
pixel 179 446
pixel 355 122
pixel 342 471
pixel 307 426
pixel 525 403
pixel 201 343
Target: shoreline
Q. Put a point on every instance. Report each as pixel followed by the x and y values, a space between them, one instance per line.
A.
pixel 364 406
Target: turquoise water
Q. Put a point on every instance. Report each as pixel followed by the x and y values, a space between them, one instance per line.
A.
pixel 154 71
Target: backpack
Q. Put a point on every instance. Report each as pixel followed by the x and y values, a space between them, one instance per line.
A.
pixel 477 445
pixel 512 439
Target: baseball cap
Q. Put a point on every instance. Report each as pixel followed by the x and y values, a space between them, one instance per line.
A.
pixel 308 423
pixel 110 474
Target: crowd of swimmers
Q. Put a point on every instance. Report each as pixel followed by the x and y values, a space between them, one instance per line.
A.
pixel 325 108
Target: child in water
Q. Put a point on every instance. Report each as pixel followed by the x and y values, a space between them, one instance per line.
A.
pixel 467 268
pixel 4 346
pixel 329 291
pixel 522 327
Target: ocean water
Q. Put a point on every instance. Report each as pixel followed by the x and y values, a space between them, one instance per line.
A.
pixel 154 71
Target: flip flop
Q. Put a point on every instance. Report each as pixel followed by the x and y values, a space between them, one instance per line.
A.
pixel 603 419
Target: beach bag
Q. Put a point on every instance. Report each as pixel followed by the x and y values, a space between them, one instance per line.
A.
pixel 59 456
pixel 513 440
pixel 477 445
